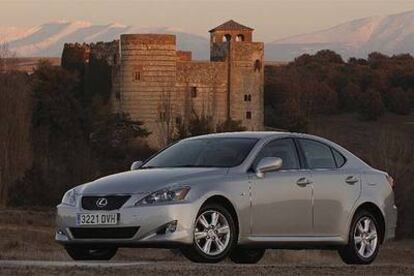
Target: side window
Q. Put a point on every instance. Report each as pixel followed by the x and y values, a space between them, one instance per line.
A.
pixel 339 158
pixel 317 155
pixel 284 149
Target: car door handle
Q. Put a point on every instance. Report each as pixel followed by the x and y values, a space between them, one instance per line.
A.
pixel 303 182
pixel 351 180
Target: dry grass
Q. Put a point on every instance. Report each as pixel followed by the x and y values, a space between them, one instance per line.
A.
pixel 29 235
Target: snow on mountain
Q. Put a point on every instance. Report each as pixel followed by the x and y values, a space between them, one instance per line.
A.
pixel 48 39
pixel 391 34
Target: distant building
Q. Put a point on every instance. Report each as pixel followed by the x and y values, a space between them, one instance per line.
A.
pixel 162 87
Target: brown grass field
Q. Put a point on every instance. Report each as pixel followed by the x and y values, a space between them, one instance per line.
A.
pixel 29 235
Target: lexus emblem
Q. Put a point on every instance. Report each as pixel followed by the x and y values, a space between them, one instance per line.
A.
pixel 101 202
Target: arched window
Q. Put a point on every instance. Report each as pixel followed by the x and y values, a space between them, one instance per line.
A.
pixel 240 37
pixel 227 37
pixel 257 65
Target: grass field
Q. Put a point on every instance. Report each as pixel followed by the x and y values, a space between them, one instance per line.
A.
pixel 29 235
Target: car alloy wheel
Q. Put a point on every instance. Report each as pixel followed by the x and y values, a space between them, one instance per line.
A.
pixel 364 240
pixel 365 237
pixel 212 233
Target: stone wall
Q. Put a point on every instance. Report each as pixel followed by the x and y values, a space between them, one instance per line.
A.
pixel 246 84
pixel 161 87
pixel 148 77
pixel 202 88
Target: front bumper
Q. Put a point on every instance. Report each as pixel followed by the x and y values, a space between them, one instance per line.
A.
pixel 149 220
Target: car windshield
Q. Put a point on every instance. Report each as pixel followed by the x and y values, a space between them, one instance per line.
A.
pixel 203 152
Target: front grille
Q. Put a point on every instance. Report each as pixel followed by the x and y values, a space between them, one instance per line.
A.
pixel 113 202
pixel 104 233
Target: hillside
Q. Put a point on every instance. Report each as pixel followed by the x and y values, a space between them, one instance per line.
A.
pixel 390 35
pixel 48 39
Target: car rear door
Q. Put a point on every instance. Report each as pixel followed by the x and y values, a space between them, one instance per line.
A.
pixel 281 206
pixel 335 187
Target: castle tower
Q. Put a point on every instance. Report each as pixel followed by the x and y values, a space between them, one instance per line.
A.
pixel 233 43
pixel 148 78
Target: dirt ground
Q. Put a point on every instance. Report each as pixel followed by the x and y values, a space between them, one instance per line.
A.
pixel 29 235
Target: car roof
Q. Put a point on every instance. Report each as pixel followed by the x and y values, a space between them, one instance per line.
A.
pixel 260 135
pixel 244 134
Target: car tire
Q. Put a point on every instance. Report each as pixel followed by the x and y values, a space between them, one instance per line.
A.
pixel 364 241
pixel 212 242
pixel 246 255
pixel 89 254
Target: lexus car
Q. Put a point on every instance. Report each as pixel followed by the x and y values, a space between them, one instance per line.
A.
pixel 234 195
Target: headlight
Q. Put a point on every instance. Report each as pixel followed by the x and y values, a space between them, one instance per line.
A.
pixel 70 197
pixel 165 195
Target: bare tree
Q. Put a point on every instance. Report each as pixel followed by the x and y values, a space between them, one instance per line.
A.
pixel 165 121
pixel 8 58
pixel 15 117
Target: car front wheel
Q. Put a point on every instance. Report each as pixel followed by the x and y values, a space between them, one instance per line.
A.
pixel 214 235
pixel 364 240
pixel 84 254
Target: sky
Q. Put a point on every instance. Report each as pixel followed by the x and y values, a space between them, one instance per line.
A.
pixel 272 19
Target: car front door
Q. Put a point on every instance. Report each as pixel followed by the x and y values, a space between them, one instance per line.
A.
pixel 281 200
pixel 336 187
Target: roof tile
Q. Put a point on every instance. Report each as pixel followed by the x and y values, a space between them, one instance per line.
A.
pixel 231 25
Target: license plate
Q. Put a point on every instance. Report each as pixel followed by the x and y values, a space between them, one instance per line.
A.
pixel 98 219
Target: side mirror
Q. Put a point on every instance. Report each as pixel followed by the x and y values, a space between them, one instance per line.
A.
pixel 268 164
pixel 135 165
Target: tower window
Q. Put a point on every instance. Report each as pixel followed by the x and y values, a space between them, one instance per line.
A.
pixel 247 98
pixel 137 76
pixel 257 65
pixel 178 120
pixel 227 37
pixel 239 38
pixel 248 115
pixel 193 92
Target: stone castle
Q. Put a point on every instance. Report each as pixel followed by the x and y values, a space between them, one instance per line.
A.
pixel 163 87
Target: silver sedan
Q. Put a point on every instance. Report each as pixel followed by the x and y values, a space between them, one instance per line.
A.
pixel 234 194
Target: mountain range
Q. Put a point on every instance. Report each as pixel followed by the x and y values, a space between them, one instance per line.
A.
pixel 392 34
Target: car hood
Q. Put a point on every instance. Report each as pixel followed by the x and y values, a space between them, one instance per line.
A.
pixel 147 180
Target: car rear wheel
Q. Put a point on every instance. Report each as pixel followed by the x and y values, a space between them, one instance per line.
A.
pixel 84 253
pixel 214 235
pixel 247 255
pixel 364 240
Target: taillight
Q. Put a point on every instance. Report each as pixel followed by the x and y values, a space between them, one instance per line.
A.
pixel 390 181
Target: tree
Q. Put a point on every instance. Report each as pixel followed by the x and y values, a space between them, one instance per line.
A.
pixel 230 125
pixel 113 141
pixel 371 106
pixel 15 116
pixel 399 101
pixel 74 140
pixel 8 58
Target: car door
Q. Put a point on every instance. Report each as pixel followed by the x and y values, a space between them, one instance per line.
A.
pixel 335 187
pixel 281 207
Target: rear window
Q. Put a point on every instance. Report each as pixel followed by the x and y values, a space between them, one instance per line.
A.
pixel 317 155
pixel 339 158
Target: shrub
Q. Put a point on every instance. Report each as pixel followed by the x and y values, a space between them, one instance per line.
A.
pixel 399 101
pixel 371 106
